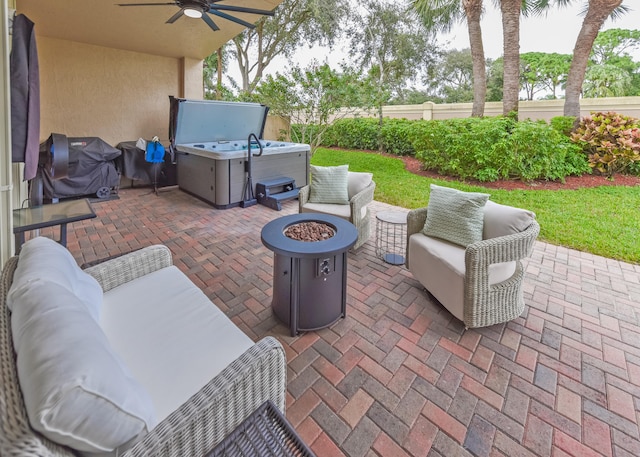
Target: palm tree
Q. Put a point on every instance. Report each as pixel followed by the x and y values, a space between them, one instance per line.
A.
pixel 441 15
pixel 511 10
pixel 595 12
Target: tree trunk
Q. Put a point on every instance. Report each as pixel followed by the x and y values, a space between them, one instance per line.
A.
pixel 511 54
pixel 473 12
pixel 219 85
pixel 598 12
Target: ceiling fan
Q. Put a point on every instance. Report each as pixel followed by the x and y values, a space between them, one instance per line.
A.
pixel 202 9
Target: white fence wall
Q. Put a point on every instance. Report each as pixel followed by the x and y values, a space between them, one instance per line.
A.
pixel 536 109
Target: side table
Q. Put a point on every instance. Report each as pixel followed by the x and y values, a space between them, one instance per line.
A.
pixel 49 215
pixel 266 432
pixel 391 236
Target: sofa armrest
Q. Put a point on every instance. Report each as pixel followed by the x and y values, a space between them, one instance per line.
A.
pixel 303 197
pixel 415 223
pixel 219 407
pixel 128 267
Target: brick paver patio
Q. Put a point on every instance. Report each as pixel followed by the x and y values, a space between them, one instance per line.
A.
pixel 399 376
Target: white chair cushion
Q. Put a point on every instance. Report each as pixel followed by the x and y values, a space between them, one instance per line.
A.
pixel 440 267
pixel 173 338
pixel 357 182
pixel 76 390
pixel 43 258
pixel 501 220
pixel 343 211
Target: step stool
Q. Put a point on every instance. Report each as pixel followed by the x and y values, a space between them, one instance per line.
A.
pixel 274 191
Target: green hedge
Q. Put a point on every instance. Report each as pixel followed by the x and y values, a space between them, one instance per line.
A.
pixel 485 149
pixel 488 149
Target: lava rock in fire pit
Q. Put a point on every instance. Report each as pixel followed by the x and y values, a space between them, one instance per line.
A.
pixel 309 231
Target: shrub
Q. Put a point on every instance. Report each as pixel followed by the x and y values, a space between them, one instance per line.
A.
pixel 489 149
pixel 354 133
pixel 563 124
pixel 394 136
pixel 611 142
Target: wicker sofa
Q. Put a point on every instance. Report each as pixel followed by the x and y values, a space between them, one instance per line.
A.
pixel 201 373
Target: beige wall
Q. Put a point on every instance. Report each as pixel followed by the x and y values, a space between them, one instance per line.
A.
pixel 277 128
pixel 116 95
pixel 536 109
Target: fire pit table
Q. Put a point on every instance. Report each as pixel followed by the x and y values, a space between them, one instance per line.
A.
pixel 309 277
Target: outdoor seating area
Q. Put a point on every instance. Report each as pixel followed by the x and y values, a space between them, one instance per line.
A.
pixel 399 375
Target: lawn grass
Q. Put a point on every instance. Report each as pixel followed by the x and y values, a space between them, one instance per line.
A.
pixel 602 220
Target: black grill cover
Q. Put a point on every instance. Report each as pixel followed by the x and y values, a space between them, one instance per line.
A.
pixel 91 167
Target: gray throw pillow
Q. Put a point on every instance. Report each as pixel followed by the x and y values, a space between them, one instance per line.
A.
pixel 329 185
pixel 455 216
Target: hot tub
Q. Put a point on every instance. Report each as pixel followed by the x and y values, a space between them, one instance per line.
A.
pixel 211 144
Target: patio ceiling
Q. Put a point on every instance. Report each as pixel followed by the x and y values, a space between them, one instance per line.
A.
pixel 140 29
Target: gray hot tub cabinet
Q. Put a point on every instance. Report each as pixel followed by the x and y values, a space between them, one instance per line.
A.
pixel 211 140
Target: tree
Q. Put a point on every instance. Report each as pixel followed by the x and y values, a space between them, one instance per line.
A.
pixel 389 45
pixel 606 81
pixel 314 97
pixel 295 22
pixel 596 12
pixel 613 44
pixel 213 66
pixel 452 80
pixel 511 10
pixel 441 15
pixel 543 72
pixel 495 81
pixel 613 47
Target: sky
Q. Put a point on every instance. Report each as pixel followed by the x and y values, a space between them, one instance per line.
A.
pixel 557 32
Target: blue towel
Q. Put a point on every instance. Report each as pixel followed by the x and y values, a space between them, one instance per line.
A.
pixel 154 152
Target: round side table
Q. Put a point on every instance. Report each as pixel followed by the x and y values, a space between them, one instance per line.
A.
pixel 391 236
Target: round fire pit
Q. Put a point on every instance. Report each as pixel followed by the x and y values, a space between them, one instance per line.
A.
pixel 310 271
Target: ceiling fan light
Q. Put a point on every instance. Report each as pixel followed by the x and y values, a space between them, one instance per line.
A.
pixel 193 12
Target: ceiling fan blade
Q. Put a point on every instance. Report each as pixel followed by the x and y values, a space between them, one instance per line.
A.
pixel 145 4
pixel 231 18
pixel 241 9
pixel 175 17
pixel 210 22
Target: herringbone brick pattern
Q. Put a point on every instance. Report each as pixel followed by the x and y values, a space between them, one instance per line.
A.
pixel 399 376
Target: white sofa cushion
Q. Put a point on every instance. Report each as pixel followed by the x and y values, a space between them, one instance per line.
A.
pixel 173 338
pixel 77 392
pixel 440 267
pixel 43 258
pixel 501 220
pixel 454 215
pixel 357 182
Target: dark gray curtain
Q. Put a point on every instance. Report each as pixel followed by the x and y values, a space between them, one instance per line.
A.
pixel 25 96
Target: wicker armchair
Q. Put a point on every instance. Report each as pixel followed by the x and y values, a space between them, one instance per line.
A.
pixel 482 284
pixel 194 428
pixel 357 211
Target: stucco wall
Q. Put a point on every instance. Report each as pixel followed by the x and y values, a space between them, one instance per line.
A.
pixel 116 95
pixel 536 109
